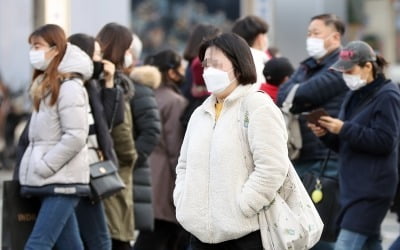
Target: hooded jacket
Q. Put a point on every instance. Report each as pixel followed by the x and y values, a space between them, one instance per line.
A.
pixel 147 129
pixel 55 161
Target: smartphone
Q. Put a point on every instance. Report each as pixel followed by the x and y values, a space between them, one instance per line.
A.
pixel 315 115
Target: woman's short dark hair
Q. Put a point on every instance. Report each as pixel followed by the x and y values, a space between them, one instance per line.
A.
pixel 249 28
pixel 238 52
pixel 331 20
pixel 114 40
pixel 201 33
pixel 84 42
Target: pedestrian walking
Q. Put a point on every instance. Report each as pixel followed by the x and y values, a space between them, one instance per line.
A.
pixel 216 195
pixel 365 135
pixel 55 163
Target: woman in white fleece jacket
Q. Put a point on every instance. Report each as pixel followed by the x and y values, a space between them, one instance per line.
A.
pixel 234 155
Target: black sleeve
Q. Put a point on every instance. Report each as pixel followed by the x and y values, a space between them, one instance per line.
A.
pixel 314 92
pixel 331 141
pixel 112 99
pixel 23 143
pixel 147 125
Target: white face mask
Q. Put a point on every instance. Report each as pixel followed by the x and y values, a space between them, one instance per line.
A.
pixel 38 60
pixel 216 80
pixel 315 47
pixel 128 60
pixel 354 82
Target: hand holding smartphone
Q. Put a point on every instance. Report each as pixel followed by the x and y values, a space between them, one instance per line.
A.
pixel 315 115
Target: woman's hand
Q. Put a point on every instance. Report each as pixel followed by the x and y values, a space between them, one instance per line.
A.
pixel 317 130
pixel 109 70
pixel 333 125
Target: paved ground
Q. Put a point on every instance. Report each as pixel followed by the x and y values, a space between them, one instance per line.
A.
pixel 390 228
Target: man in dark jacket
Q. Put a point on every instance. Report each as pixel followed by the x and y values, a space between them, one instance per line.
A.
pixel 319 87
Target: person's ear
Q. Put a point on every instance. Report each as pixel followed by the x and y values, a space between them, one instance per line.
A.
pixel 368 66
pixel 53 52
pixel 172 74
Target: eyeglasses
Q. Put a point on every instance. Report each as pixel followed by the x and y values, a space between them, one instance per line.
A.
pixel 211 63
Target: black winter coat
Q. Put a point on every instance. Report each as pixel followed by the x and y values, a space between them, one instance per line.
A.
pixel 147 129
pixel 368 155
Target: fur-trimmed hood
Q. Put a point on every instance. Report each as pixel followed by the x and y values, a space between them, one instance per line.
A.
pixel 147 75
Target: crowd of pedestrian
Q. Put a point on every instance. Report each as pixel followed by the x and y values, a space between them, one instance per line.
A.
pixel 177 136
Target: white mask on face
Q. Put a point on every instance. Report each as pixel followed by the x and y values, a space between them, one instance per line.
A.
pixel 216 80
pixel 38 60
pixel 315 47
pixel 128 60
pixel 354 82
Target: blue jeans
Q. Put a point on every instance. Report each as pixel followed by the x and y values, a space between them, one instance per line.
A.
pixel 349 240
pixel 56 225
pixel 395 245
pixel 93 225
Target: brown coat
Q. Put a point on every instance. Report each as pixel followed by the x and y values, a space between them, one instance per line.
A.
pixel 164 158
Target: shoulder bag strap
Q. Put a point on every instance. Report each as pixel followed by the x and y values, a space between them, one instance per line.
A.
pixel 288 102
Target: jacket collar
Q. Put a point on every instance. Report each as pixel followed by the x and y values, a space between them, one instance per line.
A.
pixel 240 91
pixel 311 63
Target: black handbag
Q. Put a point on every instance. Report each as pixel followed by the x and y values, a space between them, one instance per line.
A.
pixel 324 192
pixel 104 180
pixel 18 216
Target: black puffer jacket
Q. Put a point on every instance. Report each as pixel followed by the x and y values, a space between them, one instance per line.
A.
pixel 147 129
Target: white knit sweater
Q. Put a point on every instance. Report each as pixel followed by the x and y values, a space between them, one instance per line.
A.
pixel 221 182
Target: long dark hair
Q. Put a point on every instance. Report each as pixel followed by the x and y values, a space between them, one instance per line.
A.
pixel 114 40
pixel 200 34
pixel 54 35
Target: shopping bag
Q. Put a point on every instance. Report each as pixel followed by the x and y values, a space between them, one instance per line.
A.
pixel 18 216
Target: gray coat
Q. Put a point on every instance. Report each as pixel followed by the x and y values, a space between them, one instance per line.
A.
pixel 56 159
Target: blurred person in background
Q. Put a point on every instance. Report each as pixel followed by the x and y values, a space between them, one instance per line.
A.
pixel 137 48
pixel 194 88
pixel 116 46
pixel 105 103
pixel 56 160
pixel 167 234
pixel 366 136
pixel 146 133
pixel 276 72
pixel 4 109
pixel 319 87
pixel 254 30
